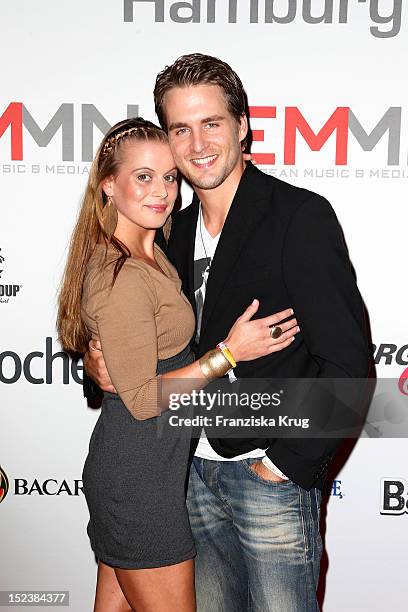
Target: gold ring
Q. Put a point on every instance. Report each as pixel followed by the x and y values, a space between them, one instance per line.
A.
pixel 276 331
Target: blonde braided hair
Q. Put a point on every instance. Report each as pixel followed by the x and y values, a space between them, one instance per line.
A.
pixel 112 142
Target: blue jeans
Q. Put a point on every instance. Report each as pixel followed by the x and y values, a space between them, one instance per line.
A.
pixel 258 542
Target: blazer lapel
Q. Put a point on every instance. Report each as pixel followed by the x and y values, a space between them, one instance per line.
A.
pixel 185 260
pixel 245 213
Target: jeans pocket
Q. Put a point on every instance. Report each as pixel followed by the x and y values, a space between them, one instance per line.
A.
pixel 247 463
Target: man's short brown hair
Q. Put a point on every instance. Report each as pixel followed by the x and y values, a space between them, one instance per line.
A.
pixel 199 69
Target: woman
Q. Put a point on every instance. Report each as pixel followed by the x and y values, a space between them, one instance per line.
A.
pixel 120 288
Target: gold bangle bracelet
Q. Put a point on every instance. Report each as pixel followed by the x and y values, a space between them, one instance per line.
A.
pixel 214 364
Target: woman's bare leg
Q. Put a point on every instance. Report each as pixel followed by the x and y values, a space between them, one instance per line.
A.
pixel 160 589
pixel 109 596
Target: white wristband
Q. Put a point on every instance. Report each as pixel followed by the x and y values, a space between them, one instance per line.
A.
pixel 271 466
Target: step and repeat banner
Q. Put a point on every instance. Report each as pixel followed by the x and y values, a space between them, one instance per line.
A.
pixel 328 100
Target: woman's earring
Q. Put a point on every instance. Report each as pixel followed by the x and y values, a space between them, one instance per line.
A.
pixel 109 218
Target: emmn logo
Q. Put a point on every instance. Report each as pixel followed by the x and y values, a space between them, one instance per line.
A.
pixel 4 484
pixel 394 496
pixel 341 123
pixel 208 11
pixel 16 116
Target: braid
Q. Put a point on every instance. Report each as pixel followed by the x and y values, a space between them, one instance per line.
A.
pixel 134 127
pixel 112 142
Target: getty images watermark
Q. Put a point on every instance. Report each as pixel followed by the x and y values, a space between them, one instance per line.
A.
pixel 284 408
pixel 224 400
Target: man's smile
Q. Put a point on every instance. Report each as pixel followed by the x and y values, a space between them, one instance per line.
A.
pixel 204 162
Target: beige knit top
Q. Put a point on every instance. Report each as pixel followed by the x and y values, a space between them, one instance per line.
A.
pixel 143 318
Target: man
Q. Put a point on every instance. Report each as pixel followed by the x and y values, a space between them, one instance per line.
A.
pixel 254 504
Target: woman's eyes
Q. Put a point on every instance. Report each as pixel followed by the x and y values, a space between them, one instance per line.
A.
pixel 146 178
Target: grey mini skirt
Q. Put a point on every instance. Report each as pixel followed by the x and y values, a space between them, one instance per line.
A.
pixel 134 483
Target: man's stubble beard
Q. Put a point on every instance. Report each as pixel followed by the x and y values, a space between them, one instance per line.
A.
pixel 212 182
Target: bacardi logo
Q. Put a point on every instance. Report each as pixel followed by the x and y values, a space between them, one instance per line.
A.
pixel 4 484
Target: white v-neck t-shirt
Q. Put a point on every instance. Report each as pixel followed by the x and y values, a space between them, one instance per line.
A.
pixel 204 251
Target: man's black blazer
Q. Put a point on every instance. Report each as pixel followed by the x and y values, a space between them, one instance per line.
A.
pixel 282 245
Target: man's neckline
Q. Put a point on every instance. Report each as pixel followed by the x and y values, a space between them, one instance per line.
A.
pixel 203 225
